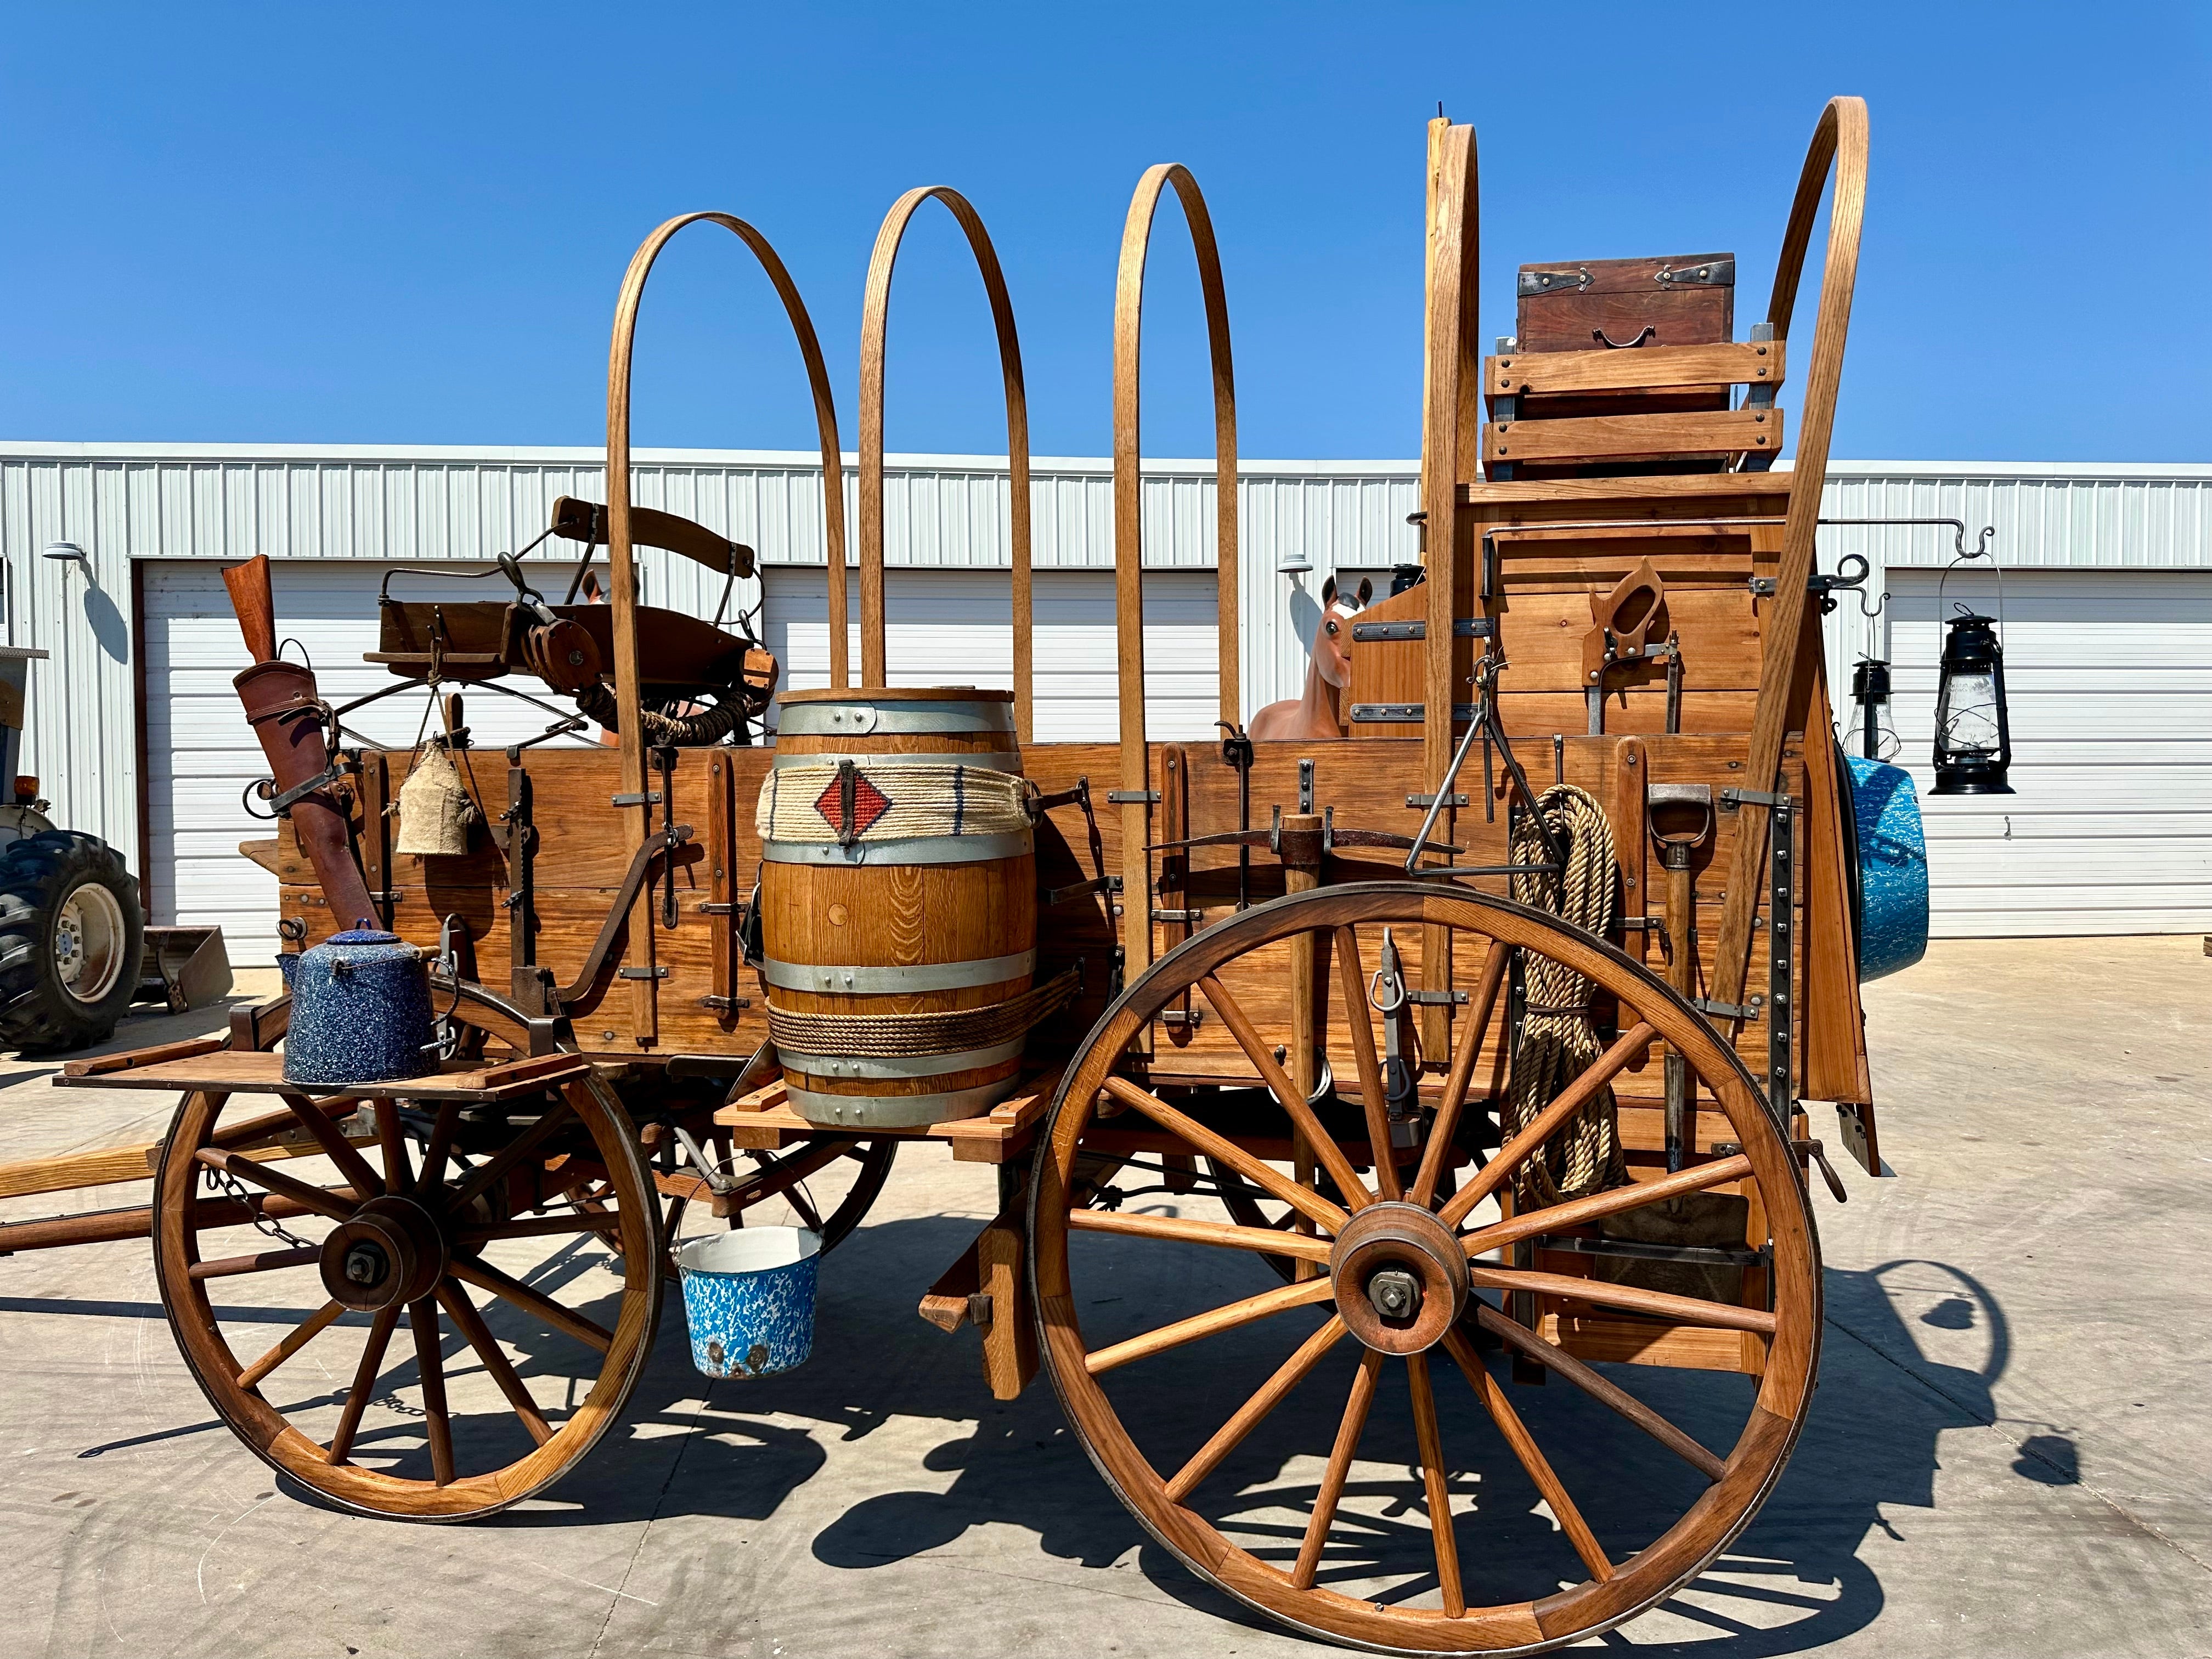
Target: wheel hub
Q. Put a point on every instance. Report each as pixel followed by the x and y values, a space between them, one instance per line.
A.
pixel 389 1251
pixel 1400 1277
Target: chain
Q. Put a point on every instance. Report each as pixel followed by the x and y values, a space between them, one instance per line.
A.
pixel 230 1186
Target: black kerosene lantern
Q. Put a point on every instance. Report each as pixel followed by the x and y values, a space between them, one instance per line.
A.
pixel 1973 738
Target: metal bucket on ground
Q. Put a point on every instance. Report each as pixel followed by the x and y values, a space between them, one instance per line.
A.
pixel 749 1299
pixel 898 904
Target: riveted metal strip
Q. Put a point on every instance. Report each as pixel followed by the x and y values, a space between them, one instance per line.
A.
pixel 858 1067
pixel 830 720
pixel 893 981
pixel 916 849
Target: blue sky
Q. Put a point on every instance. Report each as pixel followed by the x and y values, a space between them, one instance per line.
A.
pixel 394 224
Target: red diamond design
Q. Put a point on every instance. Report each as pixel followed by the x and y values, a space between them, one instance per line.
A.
pixel 869 804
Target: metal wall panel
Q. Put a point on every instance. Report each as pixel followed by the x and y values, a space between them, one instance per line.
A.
pixel 128 503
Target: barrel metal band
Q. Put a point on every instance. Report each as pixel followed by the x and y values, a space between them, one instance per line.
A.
pixel 919 849
pixel 826 720
pixel 982 760
pixel 893 981
pixel 897 1111
pixel 878 1067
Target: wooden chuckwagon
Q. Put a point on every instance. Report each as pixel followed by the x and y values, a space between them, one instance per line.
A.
pixel 1464 1038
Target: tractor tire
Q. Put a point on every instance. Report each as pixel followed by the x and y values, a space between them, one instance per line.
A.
pixel 72 938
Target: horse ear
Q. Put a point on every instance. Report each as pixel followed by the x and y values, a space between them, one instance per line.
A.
pixel 1328 591
pixel 1366 591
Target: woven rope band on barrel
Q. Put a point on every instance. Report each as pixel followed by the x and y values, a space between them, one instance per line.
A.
pixel 950 1033
pixel 846 801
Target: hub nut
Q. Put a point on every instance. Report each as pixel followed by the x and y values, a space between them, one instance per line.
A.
pixel 1395 1293
pixel 365 1264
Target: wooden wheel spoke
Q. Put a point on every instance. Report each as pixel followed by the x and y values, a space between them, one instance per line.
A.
pixel 1605 1393
pixel 1227 1317
pixel 454 1298
pixel 580 1220
pixel 1571 1099
pixel 442 1143
pixel 1683 1310
pixel 337 1203
pixel 1438 1486
pixel 1339 1470
pixel 786 1173
pixel 1461 1075
pixel 364 1381
pixel 1305 1201
pixel 1326 1151
pixel 1361 1018
pixel 320 1320
pixel 1487 1390
pixel 1272 1392
pixel 340 1151
pixel 261 1261
pixel 509 1157
pixel 474 1270
pixel 392 1137
pixel 1220 1234
pixel 1578 1211
pixel 430 1361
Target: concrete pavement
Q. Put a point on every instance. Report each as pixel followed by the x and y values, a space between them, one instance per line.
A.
pixel 2010 1454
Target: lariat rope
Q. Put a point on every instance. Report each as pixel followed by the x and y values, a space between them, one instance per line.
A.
pixel 1557 1039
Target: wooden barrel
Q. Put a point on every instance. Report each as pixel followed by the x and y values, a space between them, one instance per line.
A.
pixel 899 878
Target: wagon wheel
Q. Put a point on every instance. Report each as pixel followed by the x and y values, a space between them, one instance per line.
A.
pixel 825 1185
pixel 1368 1551
pixel 432 1324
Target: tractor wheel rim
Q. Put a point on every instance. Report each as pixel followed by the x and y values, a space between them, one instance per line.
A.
pixel 88 944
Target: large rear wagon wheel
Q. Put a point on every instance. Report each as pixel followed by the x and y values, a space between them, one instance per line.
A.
pixel 1420 1540
pixel 435 1315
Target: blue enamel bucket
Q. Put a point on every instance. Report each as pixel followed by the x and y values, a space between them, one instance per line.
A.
pixel 749 1299
pixel 1892 868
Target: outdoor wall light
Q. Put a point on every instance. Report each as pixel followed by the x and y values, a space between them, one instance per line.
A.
pixel 1973 735
pixel 68 551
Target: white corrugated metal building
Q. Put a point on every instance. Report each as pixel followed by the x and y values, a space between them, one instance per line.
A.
pixel 135 732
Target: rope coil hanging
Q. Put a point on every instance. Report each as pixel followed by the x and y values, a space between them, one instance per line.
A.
pixel 1558 1038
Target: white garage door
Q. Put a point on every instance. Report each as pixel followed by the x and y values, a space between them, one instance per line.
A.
pixel 945 627
pixel 952 627
pixel 201 755
pixel 2110 680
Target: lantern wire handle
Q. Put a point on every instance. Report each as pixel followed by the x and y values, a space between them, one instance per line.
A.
pixel 1980 550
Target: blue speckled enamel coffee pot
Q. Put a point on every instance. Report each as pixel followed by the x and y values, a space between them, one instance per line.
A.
pixel 361 1011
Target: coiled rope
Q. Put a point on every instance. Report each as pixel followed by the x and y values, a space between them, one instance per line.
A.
pixel 1558 1038
pixel 895 1035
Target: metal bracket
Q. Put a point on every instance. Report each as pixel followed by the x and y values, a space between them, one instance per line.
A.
pixel 640 973
pixel 1188 1019
pixel 650 798
pixel 1179 918
pixel 1714 273
pixel 1437 999
pixel 1081 889
pixel 1305 786
pixel 1452 800
pixel 1132 798
pixel 725 1005
pixel 1402 713
pixel 1732 799
pixel 299 792
pixel 1729 1010
pixel 712 908
pixel 1554 282
pixel 1463 628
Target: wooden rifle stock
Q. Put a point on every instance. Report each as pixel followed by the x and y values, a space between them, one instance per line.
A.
pixel 256 605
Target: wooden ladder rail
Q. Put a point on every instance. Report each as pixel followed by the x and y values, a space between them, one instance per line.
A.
pixel 1451 426
pixel 1128 521
pixel 1840 142
pixel 875 315
pixel 621 551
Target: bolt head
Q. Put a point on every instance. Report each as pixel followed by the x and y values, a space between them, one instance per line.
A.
pixel 365 1264
pixel 1396 1294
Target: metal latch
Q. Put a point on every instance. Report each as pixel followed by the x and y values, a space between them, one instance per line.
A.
pixel 1732 799
pixel 1729 1010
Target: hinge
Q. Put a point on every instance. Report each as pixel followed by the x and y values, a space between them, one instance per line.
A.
pixel 1729 1010
pixel 1713 273
pixel 1554 282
